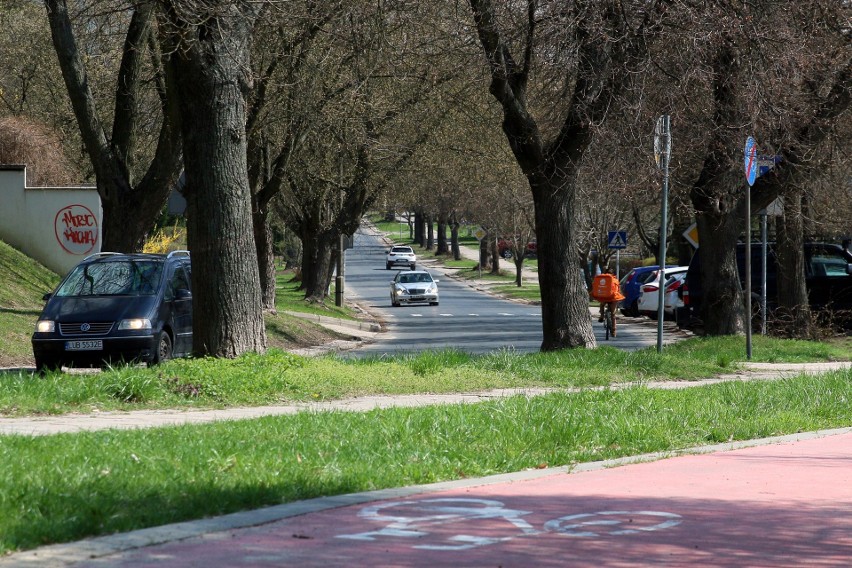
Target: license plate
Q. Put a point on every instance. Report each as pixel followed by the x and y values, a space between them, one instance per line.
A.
pixel 85 345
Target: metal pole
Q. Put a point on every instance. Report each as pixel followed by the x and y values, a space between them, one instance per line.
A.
pixel 748 272
pixel 618 264
pixel 338 281
pixel 664 212
pixel 763 255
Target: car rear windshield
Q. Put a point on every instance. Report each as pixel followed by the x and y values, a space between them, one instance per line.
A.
pixel 113 278
pixel 402 249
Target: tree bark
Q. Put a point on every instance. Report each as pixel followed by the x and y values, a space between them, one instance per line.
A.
pixel 442 236
pixel 494 252
pixel 790 262
pixel 454 239
pixel 565 299
pixel 211 59
pixel 265 259
pixel 317 254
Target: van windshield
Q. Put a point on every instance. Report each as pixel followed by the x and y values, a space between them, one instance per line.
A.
pixel 113 278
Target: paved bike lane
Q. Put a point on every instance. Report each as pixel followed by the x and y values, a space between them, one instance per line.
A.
pixel 776 502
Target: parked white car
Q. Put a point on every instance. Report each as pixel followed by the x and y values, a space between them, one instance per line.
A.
pixel 400 254
pixel 409 286
pixel 649 299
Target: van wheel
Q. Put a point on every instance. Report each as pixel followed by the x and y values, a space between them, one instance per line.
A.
pixel 164 348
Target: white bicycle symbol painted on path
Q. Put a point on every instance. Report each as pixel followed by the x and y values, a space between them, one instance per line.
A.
pixel 414 519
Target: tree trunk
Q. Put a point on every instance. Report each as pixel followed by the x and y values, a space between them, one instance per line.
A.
pixel 564 297
pixel 317 256
pixel 210 66
pixel 790 262
pixel 418 228
pixel 442 236
pixel 454 238
pixel 494 251
pixel 265 258
pixel 519 269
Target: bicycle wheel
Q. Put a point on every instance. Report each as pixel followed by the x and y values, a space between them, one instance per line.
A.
pixel 606 324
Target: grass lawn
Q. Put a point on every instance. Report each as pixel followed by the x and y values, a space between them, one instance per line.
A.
pixel 66 487
pixel 278 376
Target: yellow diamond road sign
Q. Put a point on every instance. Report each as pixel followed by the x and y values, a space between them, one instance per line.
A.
pixel 479 234
pixel 691 235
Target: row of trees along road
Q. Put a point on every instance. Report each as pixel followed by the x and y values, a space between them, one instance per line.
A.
pixel 313 112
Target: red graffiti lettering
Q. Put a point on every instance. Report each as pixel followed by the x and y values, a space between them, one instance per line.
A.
pixel 77 220
pixel 79 237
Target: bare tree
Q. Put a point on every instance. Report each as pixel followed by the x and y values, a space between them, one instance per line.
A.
pixel 593 45
pixel 802 96
pixel 130 203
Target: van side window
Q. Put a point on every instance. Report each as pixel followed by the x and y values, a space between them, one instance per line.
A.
pixel 178 281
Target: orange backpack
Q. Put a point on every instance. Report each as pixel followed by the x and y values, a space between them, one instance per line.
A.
pixel 605 288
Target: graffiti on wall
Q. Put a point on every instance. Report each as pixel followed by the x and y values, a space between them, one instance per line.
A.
pixel 76 229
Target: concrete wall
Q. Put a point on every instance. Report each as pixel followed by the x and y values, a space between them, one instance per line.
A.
pixel 57 226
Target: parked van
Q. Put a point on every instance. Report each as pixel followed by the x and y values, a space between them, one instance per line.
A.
pixel 117 307
pixel 828 279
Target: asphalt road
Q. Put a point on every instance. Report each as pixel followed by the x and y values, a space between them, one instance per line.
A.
pixel 467 318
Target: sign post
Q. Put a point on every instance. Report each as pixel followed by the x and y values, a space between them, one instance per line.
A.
pixel 662 153
pixel 480 233
pixel 750 162
pixel 617 240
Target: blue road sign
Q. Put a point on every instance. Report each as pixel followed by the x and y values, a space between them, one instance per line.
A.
pixel 750 160
pixel 617 239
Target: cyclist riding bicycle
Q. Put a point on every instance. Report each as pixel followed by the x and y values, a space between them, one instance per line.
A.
pixel 607 290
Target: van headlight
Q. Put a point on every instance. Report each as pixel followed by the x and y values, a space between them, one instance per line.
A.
pixel 45 326
pixel 135 324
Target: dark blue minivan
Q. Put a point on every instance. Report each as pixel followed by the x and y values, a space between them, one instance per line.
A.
pixel 115 307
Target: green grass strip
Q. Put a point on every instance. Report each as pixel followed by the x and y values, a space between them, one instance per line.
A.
pixel 280 377
pixel 66 487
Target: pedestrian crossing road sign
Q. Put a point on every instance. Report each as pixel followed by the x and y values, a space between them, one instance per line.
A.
pixel 617 239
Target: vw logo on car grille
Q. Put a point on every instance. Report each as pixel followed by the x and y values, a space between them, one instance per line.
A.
pixel 85 327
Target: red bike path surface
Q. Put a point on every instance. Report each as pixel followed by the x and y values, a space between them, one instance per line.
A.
pixel 783 501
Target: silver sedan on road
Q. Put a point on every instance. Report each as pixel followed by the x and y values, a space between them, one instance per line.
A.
pixel 411 286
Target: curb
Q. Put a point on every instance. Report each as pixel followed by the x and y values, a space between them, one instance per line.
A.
pixel 326 320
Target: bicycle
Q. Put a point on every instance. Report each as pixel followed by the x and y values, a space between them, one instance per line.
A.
pixel 609 319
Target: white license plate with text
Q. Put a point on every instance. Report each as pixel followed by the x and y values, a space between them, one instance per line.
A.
pixel 84 345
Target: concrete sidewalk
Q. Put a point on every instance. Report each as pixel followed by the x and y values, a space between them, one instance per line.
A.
pixel 47 425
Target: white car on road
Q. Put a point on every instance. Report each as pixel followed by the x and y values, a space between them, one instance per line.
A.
pixel 400 254
pixel 409 286
pixel 649 300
